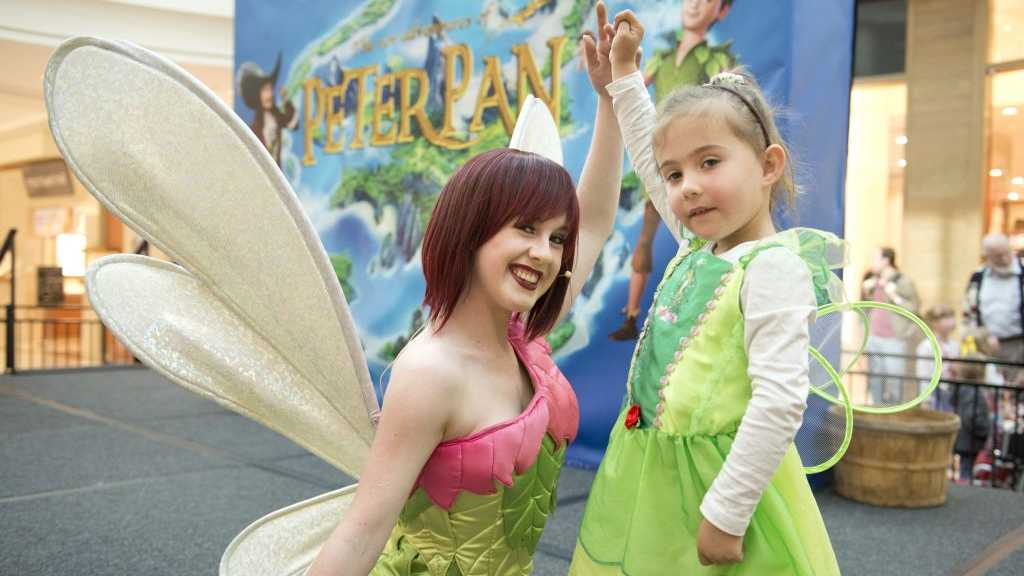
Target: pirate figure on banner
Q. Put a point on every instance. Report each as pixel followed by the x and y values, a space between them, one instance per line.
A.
pixel 269 119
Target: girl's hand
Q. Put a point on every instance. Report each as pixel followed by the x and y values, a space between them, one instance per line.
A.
pixel 625 50
pixel 717 547
pixel 596 55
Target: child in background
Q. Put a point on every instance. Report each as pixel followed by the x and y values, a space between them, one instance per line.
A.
pixel 942 320
pixel 970 403
pixel 982 341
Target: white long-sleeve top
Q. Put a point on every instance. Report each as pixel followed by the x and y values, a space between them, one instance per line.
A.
pixel 779 304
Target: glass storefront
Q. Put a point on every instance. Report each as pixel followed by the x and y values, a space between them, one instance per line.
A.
pixel 876 163
pixel 1005 121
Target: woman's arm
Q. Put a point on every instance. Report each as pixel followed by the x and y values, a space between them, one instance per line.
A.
pixel 598 194
pixel 601 180
pixel 412 424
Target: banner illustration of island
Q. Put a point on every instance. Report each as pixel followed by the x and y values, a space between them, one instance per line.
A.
pixel 369 106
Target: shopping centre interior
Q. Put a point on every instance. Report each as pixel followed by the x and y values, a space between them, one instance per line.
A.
pixel 935 163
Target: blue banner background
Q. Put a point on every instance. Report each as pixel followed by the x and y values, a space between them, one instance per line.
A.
pixel 800 50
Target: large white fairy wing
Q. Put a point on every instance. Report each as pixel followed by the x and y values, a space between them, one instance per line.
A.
pixel 285 542
pixel 161 152
pixel 173 322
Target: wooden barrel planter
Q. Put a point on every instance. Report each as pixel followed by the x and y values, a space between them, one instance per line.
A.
pixel 898 460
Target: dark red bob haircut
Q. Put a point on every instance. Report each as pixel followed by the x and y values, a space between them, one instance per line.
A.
pixel 487 192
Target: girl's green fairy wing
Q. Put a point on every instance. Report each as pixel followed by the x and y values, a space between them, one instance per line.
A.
pixel 840 340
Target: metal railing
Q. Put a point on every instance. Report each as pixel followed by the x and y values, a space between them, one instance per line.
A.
pixel 54 338
pixel 1004 401
pixel 8 347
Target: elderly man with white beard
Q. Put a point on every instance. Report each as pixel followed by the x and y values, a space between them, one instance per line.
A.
pixel 995 299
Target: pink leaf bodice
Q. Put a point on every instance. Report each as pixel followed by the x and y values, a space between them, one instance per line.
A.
pixel 508 448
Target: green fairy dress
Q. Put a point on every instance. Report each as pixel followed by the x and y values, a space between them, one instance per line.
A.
pixel 689 379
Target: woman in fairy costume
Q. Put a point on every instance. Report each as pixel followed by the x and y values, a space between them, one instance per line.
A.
pixel 477 416
pixel 459 474
pixel 701 475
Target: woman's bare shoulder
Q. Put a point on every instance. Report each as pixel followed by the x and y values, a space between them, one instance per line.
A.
pixel 426 365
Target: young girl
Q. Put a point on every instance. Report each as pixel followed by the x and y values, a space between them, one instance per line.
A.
pixel 476 418
pixel 701 470
pixel 942 321
pixel 971 404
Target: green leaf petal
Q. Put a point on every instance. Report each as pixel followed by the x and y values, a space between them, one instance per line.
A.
pixel 712 68
pixel 702 53
pixel 528 503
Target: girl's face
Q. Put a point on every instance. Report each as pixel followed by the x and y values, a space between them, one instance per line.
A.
pixel 944 326
pixel 717 186
pixel 993 345
pixel 517 265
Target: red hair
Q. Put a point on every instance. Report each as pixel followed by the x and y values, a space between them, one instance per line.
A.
pixel 486 193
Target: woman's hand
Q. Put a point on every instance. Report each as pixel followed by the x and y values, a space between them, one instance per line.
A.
pixel 717 547
pixel 596 54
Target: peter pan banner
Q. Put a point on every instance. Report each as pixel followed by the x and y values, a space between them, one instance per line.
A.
pixel 369 107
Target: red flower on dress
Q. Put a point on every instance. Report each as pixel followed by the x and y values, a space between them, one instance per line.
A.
pixel 633 416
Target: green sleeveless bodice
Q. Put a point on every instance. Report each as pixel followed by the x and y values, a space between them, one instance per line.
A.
pixel 482 534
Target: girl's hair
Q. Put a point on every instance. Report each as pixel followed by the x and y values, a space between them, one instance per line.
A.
pixel 938 312
pixel 972 371
pixel 750 117
pixel 489 191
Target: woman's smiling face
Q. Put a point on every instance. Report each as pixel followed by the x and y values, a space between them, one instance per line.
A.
pixel 517 265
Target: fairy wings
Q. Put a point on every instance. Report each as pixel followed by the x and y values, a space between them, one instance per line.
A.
pixel 162 153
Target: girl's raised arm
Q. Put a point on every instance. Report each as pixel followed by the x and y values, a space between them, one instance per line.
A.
pixel 636 114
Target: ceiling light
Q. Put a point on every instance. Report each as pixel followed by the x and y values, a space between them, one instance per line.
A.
pixel 1017 181
pixel 1010 111
pixel 901 139
pixel 1013 196
pixel 901 163
pixel 995 172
